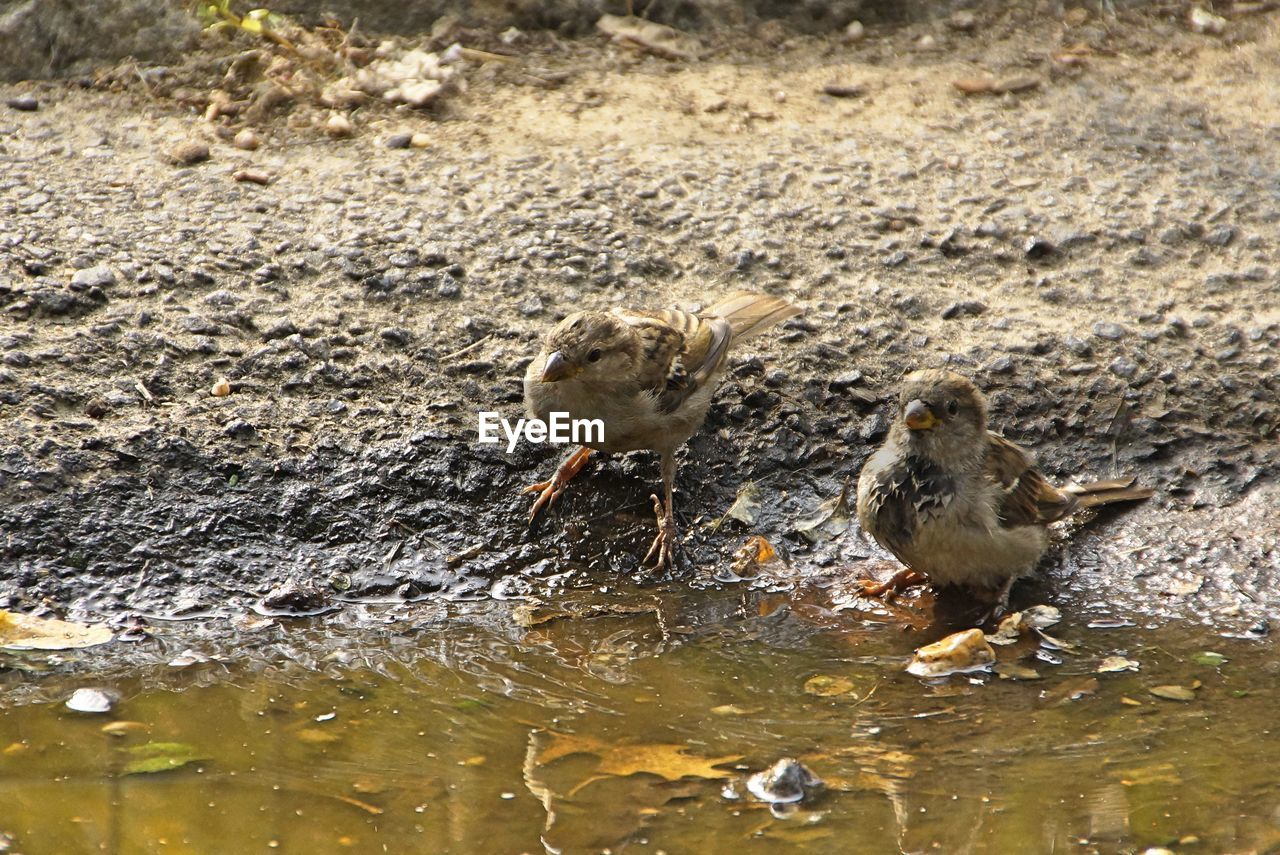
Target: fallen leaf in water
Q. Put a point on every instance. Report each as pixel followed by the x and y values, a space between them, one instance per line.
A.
pixel 160 757
pixel 1072 690
pixel 1130 702
pixel 1174 693
pixel 317 736
pixel 734 709
pixel 832 518
pixel 668 761
pixel 13 749
pixel 1013 626
pixel 536 612
pixel 827 686
pixel 1159 773
pixel 1114 664
pixel 27 632
pixel 1014 671
pixel 1053 642
pixel 957 653
pixel 1041 617
pixel 1210 658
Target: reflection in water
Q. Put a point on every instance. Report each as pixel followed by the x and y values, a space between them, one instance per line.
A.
pixel 631 721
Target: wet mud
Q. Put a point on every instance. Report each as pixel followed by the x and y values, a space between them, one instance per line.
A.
pixel 1100 254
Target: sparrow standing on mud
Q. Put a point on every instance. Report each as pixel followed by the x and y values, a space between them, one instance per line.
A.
pixel 957 504
pixel 649 376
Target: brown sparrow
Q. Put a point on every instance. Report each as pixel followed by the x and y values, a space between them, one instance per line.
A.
pixel 957 504
pixel 648 376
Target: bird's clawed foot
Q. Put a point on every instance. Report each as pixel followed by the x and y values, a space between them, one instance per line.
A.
pixel 899 582
pixel 549 491
pixel 663 550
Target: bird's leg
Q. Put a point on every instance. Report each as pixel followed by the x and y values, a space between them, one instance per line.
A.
pixel 897 583
pixel 630 11
pixel 663 550
pixel 1001 604
pixel 549 491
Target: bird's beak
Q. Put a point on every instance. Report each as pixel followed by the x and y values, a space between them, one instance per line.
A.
pixel 557 368
pixel 918 416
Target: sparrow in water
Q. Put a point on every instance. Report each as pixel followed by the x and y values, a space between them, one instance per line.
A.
pixel 648 376
pixel 957 504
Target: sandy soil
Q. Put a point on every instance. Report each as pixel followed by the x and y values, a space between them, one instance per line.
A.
pixel 1102 253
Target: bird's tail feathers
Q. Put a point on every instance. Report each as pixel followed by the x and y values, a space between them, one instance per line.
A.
pixel 749 314
pixel 1108 492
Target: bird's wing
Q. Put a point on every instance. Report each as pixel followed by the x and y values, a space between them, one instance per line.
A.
pixel 1028 499
pixel 681 352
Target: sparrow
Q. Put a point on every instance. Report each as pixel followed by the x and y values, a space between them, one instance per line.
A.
pixel 648 376
pixel 958 504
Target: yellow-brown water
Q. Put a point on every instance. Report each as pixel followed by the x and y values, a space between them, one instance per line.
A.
pixel 486 734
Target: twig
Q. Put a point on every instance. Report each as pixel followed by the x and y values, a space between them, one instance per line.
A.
pixel 466 349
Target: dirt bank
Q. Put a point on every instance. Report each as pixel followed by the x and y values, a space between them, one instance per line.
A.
pixel 1099 252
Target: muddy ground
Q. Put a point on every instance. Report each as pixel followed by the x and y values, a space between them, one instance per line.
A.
pixel 1101 253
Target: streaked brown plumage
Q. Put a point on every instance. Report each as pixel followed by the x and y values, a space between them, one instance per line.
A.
pixel 649 376
pixel 957 504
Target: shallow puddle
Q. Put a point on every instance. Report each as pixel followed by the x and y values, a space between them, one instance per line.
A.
pixel 633 728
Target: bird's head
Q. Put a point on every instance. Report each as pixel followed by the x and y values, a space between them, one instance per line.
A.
pixel 592 346
pixel 942 416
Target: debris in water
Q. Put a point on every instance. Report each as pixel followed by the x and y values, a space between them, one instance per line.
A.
pixel 90 701
pixel 785 782
pixel 1115 664
pixel 27 632
pixel 1174 693
pixel 955 654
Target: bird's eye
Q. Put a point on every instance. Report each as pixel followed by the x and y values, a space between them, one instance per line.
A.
pixel 594 355
pixel 952 408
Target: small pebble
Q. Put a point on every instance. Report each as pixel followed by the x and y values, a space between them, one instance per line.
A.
pixel 188 153
pixel 1108 330
pixel 398 141
pixel 247 140
pixel 25 103
pixel 338 126
pixel 420 140
pixel 854 32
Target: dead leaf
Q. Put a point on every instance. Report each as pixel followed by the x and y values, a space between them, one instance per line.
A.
pixel 746 506
pixel 832 518
pixel 753 553
pixel 668 761
pixel 1159 773
pixel 827 685
pixel 1014 671
pixel 657 38
pixel 1115 664
pixel 1072 690
pixel 160 757
pixel 26 632
pixel 1174 693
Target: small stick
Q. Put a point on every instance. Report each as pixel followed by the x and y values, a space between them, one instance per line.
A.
pixel 466 349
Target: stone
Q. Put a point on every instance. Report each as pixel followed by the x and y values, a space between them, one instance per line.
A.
pixel 99 276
